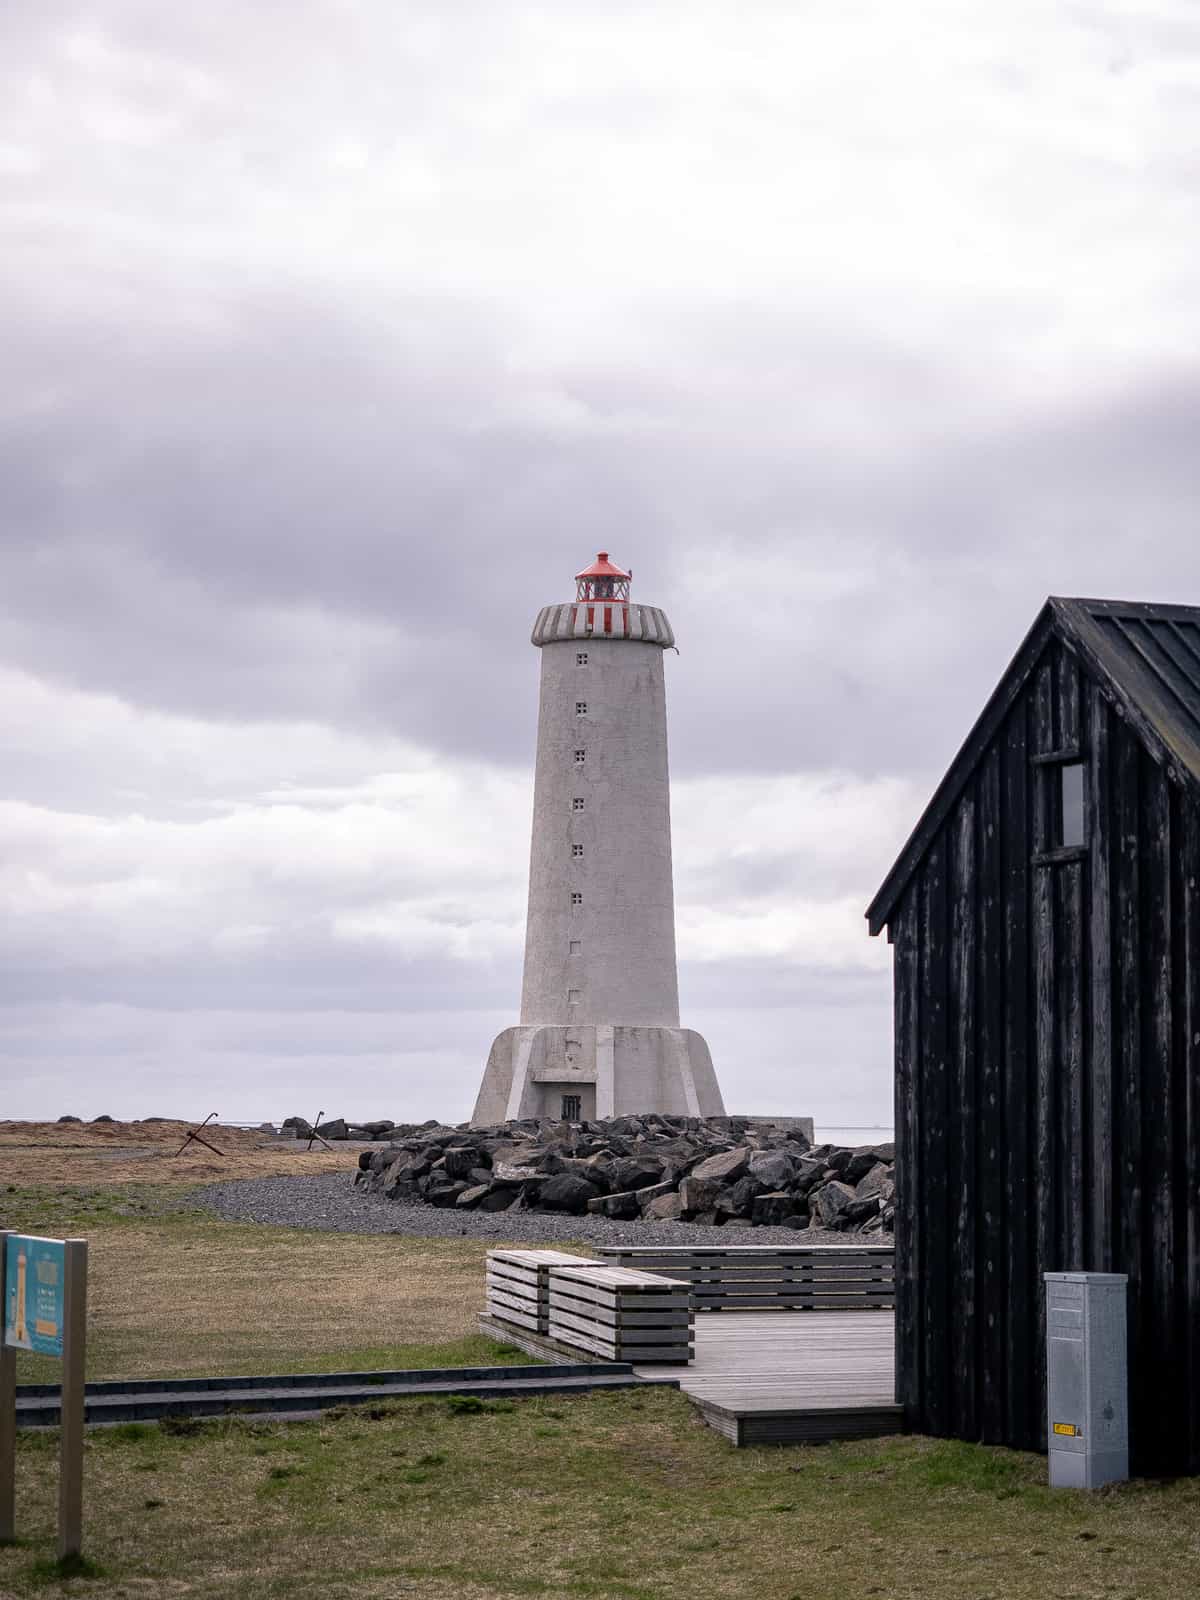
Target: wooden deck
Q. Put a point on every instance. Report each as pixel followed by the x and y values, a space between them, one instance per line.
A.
pixel 785 1378
pixel 770 1377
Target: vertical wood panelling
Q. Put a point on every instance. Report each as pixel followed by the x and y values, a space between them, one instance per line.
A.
pixel 963 1116
pixel 1021 1304
pixel 1068 1002
pixel 1070 982
pixel 1046 1191
pixel 1189 953
pixel 990 1211
pixel 909 1175
pixel 1182 860
pixel 1159 1426
pixel 933 1214
pixel 1066 697
pixel 1099 1076
pixel 1127 1044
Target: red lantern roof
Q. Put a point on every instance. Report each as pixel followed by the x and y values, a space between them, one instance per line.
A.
pixel 602 567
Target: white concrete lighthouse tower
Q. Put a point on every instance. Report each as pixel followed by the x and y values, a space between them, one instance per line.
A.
pixel 599 1034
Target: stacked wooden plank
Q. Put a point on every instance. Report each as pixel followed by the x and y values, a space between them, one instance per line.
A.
pixel 518 1285
pixel 621 1313
pixel 771 1277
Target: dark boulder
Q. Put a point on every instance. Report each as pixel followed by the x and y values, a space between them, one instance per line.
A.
pixel 512 1172
pixel 567 1192
pixel 697 1195
pixel 873 1181
pixel 597 1173
pixel 860 1210
pixel 831 1204
pixel 863 1159
pixel 773 1210
pixel 626 1205
pixel 635 1172
pixel 459 1159
pixel 408 1168
pixel 726 1167
pixel 739 1200
pixel 774 1169
pixel 808 1174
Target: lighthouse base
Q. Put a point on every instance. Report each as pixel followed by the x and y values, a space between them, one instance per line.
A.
pixel 581 1073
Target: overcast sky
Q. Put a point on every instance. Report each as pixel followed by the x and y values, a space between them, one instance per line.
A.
pixel 336 335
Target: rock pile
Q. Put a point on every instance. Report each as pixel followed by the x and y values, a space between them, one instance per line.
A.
pixel 654 1167
pixel 339 1128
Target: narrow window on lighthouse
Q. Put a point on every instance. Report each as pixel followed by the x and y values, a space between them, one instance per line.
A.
pixel 580 757
pixel 572 997
pixel 581 658
pixel 577 803
pixel 575 947
pixel 581 708
pixel 577 850
pixel 576 899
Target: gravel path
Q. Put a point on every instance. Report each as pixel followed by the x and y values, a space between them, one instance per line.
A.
pixel 327 1202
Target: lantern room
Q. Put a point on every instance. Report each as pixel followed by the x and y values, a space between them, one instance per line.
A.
pixel 603 581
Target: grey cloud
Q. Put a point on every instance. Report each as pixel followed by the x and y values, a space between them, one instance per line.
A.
pixel 305 969
pixel 305 520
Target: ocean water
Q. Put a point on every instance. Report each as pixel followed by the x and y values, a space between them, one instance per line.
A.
pixel 829 1133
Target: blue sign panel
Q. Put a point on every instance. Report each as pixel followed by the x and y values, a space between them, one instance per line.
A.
pixel 33 1294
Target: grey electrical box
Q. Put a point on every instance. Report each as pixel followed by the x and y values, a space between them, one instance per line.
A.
pixel 1087 1419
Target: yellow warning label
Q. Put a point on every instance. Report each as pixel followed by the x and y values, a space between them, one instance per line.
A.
pixel 1068 1428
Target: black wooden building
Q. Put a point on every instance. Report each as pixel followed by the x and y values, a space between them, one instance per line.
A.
pixel 1045 918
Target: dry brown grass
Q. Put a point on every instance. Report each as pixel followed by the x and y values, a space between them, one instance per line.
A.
pixel 221 1298
pixel 174 1291
pixel 146 1152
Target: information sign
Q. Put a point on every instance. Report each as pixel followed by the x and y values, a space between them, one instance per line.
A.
pixel 44 1310
pixel 35 1278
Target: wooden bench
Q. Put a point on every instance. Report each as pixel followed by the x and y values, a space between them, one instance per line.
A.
pixel 771 1277
pixel 518 1285
pixel 620 1313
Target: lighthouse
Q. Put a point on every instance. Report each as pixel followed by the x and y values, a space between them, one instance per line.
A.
pixel 599 1034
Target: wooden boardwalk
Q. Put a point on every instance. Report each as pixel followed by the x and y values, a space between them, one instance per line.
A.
pixel 776 1377
pixel 770 1377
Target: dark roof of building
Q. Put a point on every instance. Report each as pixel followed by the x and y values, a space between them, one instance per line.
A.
pixel 1148 659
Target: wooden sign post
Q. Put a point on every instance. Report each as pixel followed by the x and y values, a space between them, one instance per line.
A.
pixel 44 1286
pixel 8 1415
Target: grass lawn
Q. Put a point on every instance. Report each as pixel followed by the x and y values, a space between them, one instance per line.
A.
pixel 174 1291
pixel 625 1495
